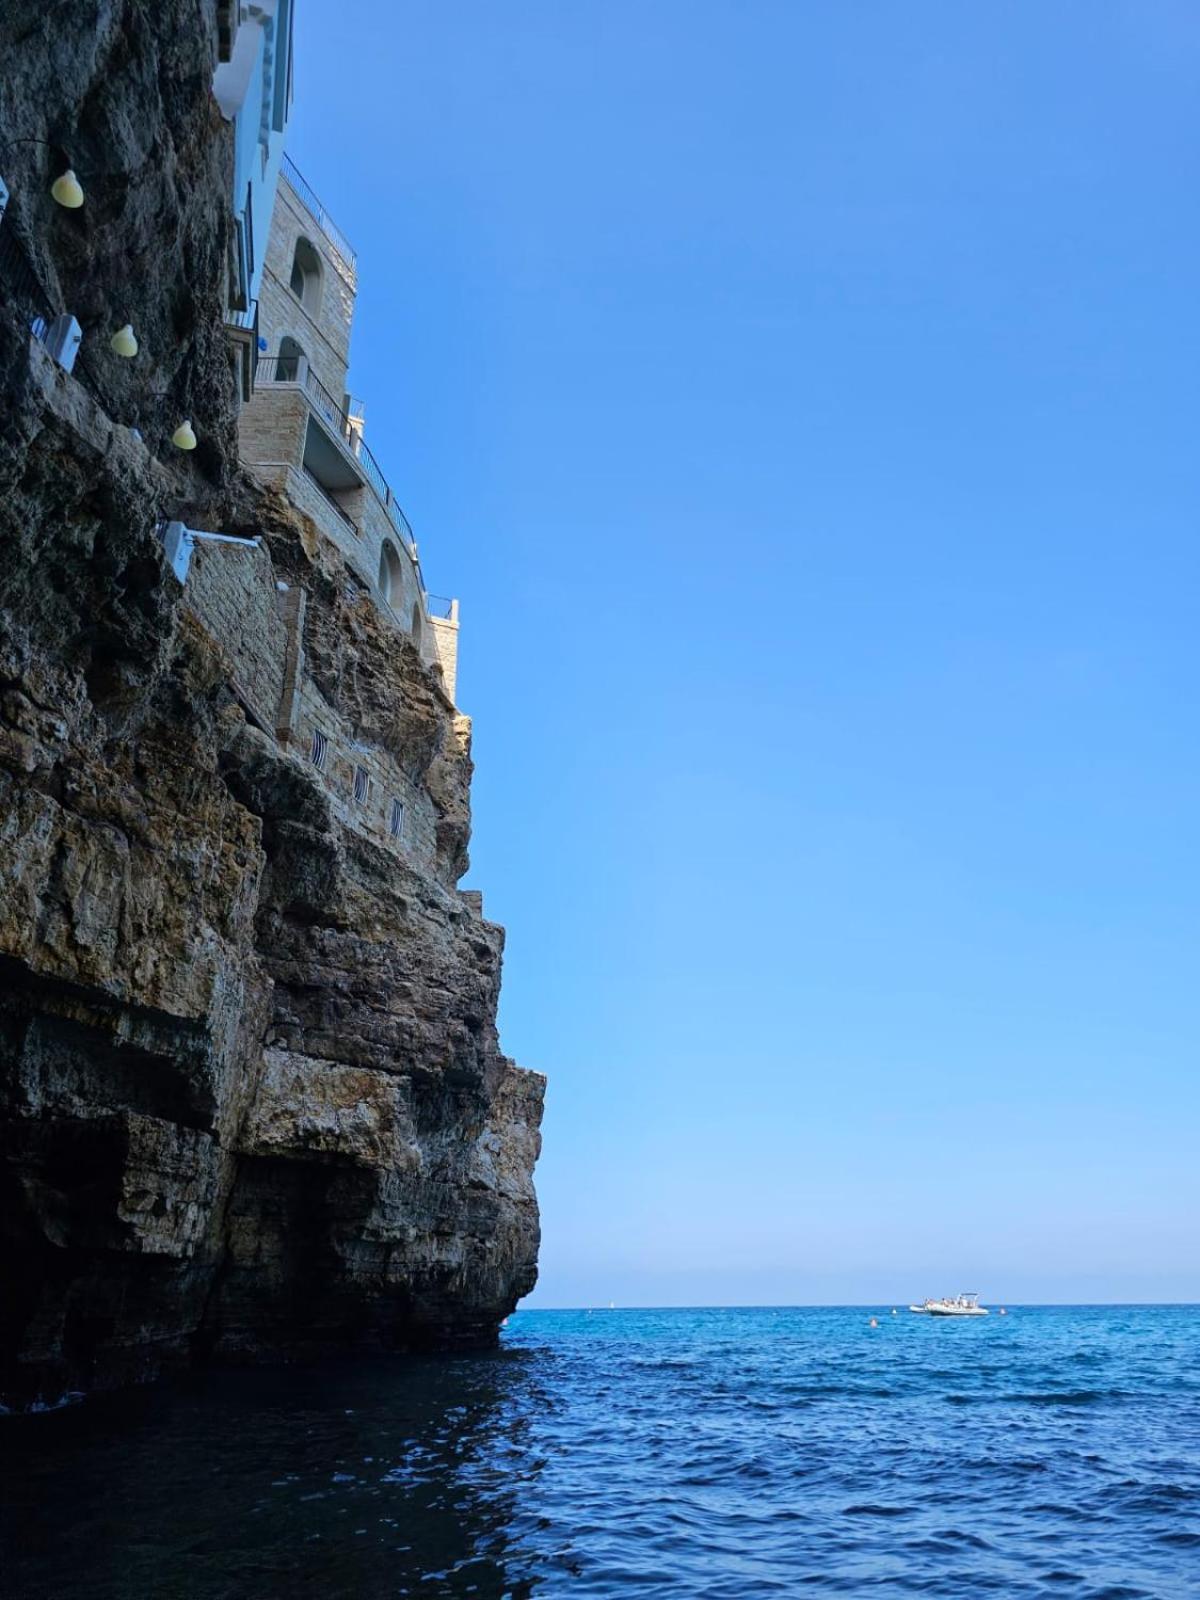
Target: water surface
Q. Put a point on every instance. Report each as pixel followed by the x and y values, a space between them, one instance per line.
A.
pixel 728 1454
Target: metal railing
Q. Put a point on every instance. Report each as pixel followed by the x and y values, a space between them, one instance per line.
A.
pixel 438 606
pixel 325 222
pixel 399 520
pixel 295 369
pixel 279 369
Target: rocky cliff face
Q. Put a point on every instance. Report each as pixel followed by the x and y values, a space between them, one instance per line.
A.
pixel 252 1102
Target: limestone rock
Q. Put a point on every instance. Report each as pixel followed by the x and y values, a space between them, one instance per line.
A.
pixel 252 1101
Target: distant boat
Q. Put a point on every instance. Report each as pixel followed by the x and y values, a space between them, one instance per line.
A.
pixel 959 1305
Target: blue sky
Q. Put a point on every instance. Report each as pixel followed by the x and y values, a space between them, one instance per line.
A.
pixel 802 400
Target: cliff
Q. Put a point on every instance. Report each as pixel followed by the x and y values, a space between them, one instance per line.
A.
pixel 252 1102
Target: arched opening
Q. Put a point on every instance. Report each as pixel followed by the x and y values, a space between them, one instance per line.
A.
pixel 391 575
pixel 306 275
pixel 287 368
pixel 418 626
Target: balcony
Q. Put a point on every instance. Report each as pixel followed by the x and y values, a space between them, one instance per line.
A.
pixel 337 461
pixel 335 452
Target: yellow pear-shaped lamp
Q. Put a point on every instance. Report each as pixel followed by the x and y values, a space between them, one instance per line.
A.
pixel 184 437
pixel 124 342
pixel 67 190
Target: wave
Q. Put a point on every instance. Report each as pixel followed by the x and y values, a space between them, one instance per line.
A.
pixel 878 1511
pixel 1039 1397
pixel 656 1464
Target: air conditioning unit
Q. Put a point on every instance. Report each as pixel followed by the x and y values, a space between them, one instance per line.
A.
pixel 63 338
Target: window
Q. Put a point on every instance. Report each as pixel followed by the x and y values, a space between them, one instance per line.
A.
pixel 391 577
pixel 418 626
pixel 287 368
pixel 396 821
pixel 318 749
pixel 362 785
pixel 305 280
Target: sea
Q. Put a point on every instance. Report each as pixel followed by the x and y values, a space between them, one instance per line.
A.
pixel 723 1453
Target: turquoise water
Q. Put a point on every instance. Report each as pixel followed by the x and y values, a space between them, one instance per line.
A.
pixel 719 1453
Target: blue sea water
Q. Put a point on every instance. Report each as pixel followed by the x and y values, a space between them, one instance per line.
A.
pixel 721 1453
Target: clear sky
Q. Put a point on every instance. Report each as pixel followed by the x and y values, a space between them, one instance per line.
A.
pixel 802 399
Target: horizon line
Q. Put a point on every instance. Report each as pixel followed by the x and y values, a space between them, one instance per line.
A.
pixel 856 1305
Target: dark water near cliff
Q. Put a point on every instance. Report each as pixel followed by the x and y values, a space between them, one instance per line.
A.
pixel 716 1453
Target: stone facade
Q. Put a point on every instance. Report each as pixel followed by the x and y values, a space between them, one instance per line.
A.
pixel 231 592
pixel 302 423
pixel 321 322
pixel 258 624
pixel 311 318
pixel 443 646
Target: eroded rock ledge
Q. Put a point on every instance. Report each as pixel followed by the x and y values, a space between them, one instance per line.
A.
pixel 252 1102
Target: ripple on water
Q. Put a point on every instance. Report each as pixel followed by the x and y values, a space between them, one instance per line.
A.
pixel 729 1454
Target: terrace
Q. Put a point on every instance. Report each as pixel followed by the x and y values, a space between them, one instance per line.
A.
pixel 336 456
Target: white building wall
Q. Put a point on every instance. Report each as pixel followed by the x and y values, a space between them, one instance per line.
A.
pixel 254 90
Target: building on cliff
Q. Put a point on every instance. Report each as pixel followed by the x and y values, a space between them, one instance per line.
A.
pixel 252 1098
pixel 302 435
pixel 303 432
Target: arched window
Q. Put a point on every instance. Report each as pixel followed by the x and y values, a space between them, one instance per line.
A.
pixel 391 576
pixel 287 368
pixel 306 275
pixel 418 626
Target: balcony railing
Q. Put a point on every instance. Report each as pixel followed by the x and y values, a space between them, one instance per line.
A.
pixel 324 221
pixel 438 606
pixel 279 369
pixel 295 369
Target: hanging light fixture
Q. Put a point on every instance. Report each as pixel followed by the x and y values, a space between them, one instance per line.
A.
pixel 124 342
pixel 184 437
pixel 67 190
